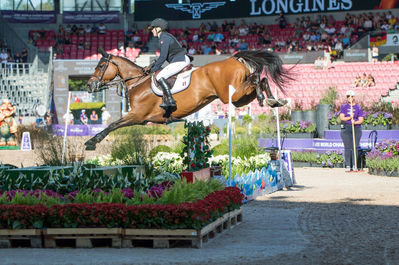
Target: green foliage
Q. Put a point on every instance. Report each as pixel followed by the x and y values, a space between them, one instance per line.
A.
pixel 78 178
pixel 330 158
pixel 196 152
pixel 178 147
pixel 329 96
pixel 215 129
pixel 27 199
pixel 388 164
pixel 131 149
pixel 246 119
pixel 90 196
pixel 390 57
pixel 298 127
pixel 262 117
pixel 159 148
pixel 87 106
pixel 187 192
pixel 305 156
pixel 146 129
pixel 240 130
pixel 243 147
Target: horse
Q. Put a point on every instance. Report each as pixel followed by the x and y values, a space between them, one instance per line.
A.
pixel 246 71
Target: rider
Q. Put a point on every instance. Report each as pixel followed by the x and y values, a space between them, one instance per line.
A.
pixel 172 52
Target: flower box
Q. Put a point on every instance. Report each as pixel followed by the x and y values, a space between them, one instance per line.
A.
pixel 300 135
pixel 334 126
pixel 192 176
pixel 377 127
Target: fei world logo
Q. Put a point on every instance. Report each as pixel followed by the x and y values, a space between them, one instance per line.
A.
pixel 196 8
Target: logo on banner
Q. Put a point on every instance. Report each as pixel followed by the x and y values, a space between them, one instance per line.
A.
pixel 196 8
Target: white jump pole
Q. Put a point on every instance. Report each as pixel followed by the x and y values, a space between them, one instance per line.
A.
pixel 66 127
pixel 276 113
pixel 231 112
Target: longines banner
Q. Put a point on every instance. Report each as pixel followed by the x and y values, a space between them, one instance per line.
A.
pixel 146 10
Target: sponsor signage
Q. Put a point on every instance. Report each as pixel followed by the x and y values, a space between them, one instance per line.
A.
pixel 356 55
pixel 300 57
pixel 91 17
pixel 29 16
pixel 78 130
pixel 392 40
pixel 193 10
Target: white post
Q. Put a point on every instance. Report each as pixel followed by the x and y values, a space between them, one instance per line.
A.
pixel 231 112
pixel 66 126
pixel 278 133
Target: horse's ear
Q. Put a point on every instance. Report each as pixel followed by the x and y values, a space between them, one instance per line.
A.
pixel 103 53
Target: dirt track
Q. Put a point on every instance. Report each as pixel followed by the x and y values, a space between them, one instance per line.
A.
pixel 329 217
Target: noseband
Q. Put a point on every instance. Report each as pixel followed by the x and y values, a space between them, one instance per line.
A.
pixel 101 84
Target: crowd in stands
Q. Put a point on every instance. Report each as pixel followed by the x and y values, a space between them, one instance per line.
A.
pixel 364 81
pixel 6 55
pixel 304 34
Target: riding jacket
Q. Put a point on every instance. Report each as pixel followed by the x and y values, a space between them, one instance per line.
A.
pixel 171 51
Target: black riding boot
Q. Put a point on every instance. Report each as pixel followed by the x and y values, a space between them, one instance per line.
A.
pixel 271 101
pixel 168 104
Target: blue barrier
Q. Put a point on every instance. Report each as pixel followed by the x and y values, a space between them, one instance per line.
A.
pixel 261 182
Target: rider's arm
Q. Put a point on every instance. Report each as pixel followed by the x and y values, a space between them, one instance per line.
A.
pixel 165 43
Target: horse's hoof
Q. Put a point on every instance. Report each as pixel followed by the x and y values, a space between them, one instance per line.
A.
pixel 274 103
pixel 90 147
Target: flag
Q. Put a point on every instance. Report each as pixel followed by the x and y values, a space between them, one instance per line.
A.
pixel 378 38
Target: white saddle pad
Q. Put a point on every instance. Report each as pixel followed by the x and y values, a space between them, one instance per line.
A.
pixel 182 82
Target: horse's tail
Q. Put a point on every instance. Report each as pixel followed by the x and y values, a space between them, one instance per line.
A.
pixel 272 64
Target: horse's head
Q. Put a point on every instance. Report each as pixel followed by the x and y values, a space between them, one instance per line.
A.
pixel 106 70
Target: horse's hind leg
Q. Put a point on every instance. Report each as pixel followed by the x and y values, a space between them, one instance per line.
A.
pixel 271 101
pixel 91 143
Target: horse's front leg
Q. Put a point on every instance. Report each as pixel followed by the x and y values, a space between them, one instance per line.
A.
pixel 124 121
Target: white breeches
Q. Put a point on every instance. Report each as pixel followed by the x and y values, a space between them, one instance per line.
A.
pixel 173 68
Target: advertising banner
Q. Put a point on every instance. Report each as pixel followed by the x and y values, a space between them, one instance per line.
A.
pixel 392 40
pixel 356 55
pixel 90 17
pixel 29 16
pixel 171 10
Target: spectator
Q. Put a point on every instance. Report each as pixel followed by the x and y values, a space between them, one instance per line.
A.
pixel 192 51
pixel 83 117
pixel 105 116
pixel 68 118
pixel 94 29
pixel 370 81
pixel 374 54
pixel 326 63
pixel 93 117
pixel 357 82
pixel 363 81
pixel 101 29
pixel 318 63
pixel 24 55
pixel 218 37
pixel 48 119
pixel 4 57
pixel 87 29
pixel 282 21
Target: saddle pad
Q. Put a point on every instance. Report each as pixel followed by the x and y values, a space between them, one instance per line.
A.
pixel 182 82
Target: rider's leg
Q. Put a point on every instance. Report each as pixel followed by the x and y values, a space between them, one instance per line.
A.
pixel 171 69
pixel 271 101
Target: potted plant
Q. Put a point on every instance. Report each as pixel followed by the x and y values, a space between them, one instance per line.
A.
pixel 327 102
pixel 379 121
pixel 299 129
pixel 334 122
pixel 196 152
pixel 296 113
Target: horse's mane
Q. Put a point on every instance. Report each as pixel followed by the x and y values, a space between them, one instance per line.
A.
pixel 271 62
pixel 129 61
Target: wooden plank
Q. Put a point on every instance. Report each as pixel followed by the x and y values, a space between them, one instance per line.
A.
pixel 159 232
pixel 20 232
pixel 82 231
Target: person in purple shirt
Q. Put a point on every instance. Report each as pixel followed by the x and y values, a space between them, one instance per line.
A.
pixel 350 112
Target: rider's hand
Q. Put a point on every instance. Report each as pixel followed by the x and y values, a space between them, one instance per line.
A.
pixel 147 69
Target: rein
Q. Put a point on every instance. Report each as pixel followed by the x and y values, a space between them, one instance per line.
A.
pixel 120 83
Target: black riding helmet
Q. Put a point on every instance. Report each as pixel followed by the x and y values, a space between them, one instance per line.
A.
pixel 159 22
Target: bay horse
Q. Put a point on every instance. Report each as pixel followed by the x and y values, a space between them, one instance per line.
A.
pixel 243 71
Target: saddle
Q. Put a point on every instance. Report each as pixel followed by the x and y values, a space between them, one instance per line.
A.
pixel 177 82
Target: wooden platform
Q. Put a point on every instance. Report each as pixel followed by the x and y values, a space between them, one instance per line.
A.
pixel 166 238
pixel 20 238
pixel 82 237
pixel 118 237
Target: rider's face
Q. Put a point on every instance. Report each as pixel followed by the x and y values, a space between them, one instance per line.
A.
pixel 155 31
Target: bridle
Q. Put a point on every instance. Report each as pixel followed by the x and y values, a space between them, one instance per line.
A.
pixel 101 84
